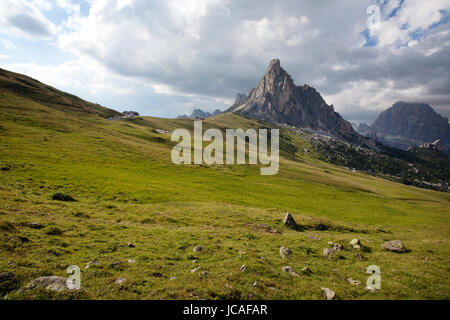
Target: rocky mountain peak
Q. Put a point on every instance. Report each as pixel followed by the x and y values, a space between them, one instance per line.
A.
pixel 410 124
pixel 274 63
pixel 277 99
pixel 199 113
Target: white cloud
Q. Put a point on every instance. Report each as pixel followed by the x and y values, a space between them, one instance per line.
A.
pixel 25 19
pixel 292 31
pixel 91 77
pixel 411 16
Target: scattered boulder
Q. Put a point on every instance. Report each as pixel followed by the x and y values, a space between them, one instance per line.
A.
pixel 394 246
pixel 131 245
pixel 336 246
pixel 289 220
pixel 120 280
pixel 329 294
pixel 353 282
pixel 359 256
pixel 243 268
pixel 204 273
pixel 289 270
pixel 53 283
pixel 306 270
pixel 313 237
pixel 356 243
pixel 115 264
pixel 269 229
pixel 329 251
pixel 285 252
pixel 255 284
pixel 198 249
pixel 195 270
pixel 130 261
pixel 90 263
pixel 33 225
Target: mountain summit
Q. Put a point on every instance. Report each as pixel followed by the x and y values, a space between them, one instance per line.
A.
pixel 277 99
pixel 411 124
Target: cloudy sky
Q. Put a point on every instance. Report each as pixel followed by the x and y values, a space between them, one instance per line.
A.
pixel 164 58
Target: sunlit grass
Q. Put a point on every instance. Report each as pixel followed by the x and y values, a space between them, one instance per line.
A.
pixel 127 190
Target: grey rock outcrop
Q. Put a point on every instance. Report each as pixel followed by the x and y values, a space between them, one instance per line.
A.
pixel 197 249
pixel 329 294
pixel 394 246
pixel 437 145
pixel 289 270
pixel 53 283
pixel 289 220
pixel 285 252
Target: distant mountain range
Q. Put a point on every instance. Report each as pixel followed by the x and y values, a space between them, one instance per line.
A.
pixel 278 100
pixel 406 125
pixel 198 113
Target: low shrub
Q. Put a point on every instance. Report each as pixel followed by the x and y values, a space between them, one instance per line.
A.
pixel 62 197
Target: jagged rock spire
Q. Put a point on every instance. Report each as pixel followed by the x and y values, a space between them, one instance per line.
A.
pixel 277 99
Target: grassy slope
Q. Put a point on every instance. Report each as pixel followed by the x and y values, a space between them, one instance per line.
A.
pixel 49 96
pixel 129 191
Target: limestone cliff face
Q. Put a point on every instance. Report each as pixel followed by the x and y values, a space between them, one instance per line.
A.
pixel 277 99
pixel 411 124
pixel 240 98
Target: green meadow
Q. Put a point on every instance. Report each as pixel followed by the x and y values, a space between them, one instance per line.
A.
pixel 127 190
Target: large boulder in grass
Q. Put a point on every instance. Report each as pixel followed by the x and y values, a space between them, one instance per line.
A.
pixel 356 243
pixel 329 294
pixel 289 220
pixel 289 270
pixel 53 283
pixel 198 249
pixel 394 246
